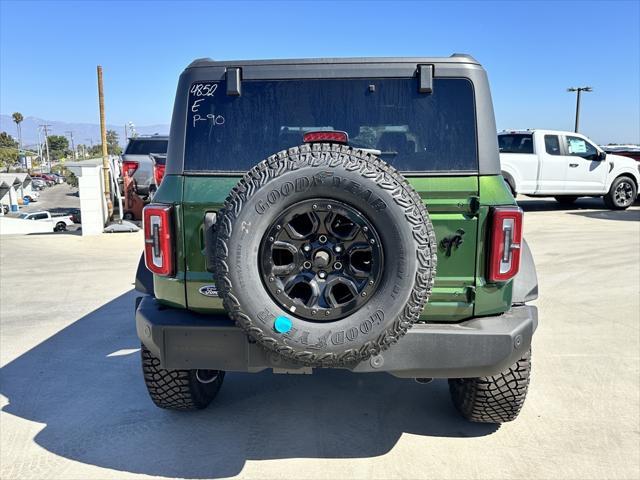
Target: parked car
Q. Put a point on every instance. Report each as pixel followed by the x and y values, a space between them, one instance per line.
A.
pixel 137 163
pixel 50 178
pixel 32 196
pixel 38 183
pixel 59 222
pixel 323 255
pixel 567 166
pixel 57 177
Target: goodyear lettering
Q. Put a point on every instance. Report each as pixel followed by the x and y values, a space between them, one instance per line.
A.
pixel 323 178
pixel 337 338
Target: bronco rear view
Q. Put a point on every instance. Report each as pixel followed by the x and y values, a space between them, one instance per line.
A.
pixel 336 213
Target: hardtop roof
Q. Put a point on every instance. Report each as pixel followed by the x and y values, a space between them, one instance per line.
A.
pixel 454 58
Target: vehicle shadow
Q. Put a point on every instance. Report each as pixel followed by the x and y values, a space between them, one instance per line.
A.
pixel 84 384
pixel 583 206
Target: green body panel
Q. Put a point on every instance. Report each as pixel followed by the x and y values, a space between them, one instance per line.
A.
pixel 170 291
pixel 490 298
pixel 456 204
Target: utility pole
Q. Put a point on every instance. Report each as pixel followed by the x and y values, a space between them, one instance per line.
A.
pixel 46 145
pixel 103 134
pixel 73 146
pixel 578 90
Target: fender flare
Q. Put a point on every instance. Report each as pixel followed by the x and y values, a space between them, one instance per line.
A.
pixel 511 182
pixel 144 278
pixel 525 283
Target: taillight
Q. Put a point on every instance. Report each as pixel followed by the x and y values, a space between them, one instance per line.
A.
pixel 158 173
pixel 506 239
pixel 158 244
pixel 327 136
pixel 129 167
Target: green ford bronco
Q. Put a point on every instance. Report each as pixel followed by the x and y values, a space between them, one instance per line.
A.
pixel 336 213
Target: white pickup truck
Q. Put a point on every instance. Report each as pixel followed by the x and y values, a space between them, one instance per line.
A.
pixel 566 165
pixel 59 223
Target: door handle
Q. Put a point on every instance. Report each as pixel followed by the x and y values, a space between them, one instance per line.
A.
pixel 573 165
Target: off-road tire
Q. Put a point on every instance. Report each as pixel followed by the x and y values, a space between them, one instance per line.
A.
pixel 566 199
pixel 495 399
pixel 238 230
pixel 60 227
pixel 610 197
pixel 177 389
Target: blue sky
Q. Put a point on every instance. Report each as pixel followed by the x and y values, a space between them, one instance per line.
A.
pixel 532 51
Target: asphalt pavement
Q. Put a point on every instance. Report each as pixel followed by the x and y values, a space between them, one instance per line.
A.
pixel 74 405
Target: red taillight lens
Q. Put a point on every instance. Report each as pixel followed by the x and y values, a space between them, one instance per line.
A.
pixel 158 244
pixel 129 167
pixel 506 239
pixel 330 136
pixel 158 173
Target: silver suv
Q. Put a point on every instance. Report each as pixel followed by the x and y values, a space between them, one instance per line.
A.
pixel 136 160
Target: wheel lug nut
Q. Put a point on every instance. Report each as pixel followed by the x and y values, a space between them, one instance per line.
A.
pixel 307 265
pixel 338 249
pixel 337 266
pixel 307 248
pixel 322 274
pixel 322 239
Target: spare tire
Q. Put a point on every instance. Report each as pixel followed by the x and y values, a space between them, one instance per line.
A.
pixel 324 254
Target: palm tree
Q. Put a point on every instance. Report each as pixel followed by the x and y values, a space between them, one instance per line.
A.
pixel 18 118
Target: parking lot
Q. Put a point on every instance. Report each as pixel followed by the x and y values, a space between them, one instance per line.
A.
pixel 74 404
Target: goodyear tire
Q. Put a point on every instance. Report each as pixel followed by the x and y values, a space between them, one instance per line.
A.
pixel 495 399
pixel 324 254
pixel 179 389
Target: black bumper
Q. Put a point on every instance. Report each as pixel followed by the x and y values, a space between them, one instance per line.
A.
pixel 473 348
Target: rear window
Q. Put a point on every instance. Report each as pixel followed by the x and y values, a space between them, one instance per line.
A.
pixel 145 147
pixel 414 132
pixel 515 143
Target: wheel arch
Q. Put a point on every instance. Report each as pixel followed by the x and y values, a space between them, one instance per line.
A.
pixel 509 179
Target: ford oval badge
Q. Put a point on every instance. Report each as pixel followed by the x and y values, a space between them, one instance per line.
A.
pixel 209 290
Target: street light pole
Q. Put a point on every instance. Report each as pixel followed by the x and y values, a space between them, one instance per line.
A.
pixel 578 91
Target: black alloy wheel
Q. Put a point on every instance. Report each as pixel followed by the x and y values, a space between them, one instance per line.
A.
pixel 321 260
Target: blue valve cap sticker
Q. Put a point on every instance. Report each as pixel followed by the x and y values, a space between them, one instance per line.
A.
pixel 282 325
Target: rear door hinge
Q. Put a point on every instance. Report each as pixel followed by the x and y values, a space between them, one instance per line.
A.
pixel 234 80
pixel 425 78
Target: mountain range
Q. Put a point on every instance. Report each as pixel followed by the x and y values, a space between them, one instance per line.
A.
pixel 83 133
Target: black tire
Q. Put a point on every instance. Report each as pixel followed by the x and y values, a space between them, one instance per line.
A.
pixel 326 172
pixel 566 199
pixel 494 399
pixel 60 227
pixel 127 216
pixel 178 389
pixel 622 194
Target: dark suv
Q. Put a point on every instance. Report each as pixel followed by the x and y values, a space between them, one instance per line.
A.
pixel 304 208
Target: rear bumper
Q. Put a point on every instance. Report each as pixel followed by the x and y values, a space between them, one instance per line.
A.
pixel 473 348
